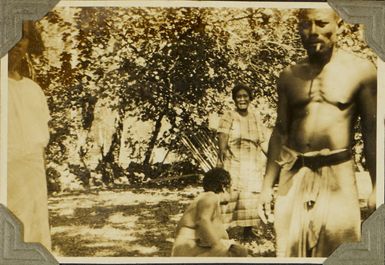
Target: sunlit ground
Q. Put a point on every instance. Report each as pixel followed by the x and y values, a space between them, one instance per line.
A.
pixel 134 223
pixel 117 223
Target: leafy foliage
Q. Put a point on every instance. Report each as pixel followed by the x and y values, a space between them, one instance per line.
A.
pixel 126 84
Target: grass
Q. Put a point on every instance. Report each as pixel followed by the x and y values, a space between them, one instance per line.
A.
pixel 116 223
pixel 123 223
pixel 131 223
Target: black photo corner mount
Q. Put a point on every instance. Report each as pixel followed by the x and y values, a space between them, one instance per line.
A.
pixel 369 251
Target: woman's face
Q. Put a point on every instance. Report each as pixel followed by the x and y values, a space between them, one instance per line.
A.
pixel 17 53
pixel 242 100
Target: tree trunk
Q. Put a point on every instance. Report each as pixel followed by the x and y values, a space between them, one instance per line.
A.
pixel 154 137
pixel 86 178
pixel 109 161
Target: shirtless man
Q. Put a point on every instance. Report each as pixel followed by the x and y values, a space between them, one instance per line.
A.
pixel 320 97
pixel 201 232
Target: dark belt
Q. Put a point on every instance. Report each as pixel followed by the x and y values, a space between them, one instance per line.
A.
pixel 316 162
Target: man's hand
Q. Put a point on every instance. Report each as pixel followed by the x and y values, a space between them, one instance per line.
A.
pixel 264 206
pixel 219 250
pixel 237 250
pixel 372 201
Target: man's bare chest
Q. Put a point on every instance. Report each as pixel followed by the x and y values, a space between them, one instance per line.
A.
pixel 329 88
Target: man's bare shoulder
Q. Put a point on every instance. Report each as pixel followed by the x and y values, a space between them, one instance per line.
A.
pixel 363 66
pixel 208 197
pixel 295 69
pixel 291 71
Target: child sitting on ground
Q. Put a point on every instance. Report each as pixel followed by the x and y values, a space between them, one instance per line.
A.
pixel 201 232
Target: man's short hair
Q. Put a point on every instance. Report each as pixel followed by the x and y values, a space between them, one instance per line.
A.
pixel 215 179
pixel 302 12
pixel 239 87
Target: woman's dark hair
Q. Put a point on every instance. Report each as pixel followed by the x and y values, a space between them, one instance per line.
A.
pixel 215 179
pixel 239 87
pixel 35 48
pixel 30 32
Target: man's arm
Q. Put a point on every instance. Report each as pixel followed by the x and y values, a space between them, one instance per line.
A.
pixel 277 139
pixel 367 107
pixel 206 208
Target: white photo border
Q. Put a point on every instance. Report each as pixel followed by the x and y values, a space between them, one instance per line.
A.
pixel 125 3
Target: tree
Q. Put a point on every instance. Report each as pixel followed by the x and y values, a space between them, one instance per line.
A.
pixel 167 68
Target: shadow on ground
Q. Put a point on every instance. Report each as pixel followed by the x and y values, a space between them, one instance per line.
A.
pixel 136 223
pixel 116 223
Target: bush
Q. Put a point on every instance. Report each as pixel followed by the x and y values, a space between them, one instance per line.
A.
pixel 53 182
pixel 82 173
pixel 176 175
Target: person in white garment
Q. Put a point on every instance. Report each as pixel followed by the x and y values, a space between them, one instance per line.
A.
pixel 28 135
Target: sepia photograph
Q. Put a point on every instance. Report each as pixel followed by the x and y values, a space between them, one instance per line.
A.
pixel 200 131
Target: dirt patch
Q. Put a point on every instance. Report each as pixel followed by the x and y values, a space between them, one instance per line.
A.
pixel 125 223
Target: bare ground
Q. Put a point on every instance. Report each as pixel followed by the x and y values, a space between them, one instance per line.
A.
pixel 133 223
pixel 123 223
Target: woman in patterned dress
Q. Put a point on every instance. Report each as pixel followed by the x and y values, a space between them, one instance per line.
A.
pixel 240 153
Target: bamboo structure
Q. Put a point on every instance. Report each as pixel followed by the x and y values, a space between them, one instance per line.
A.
pixel 203 148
